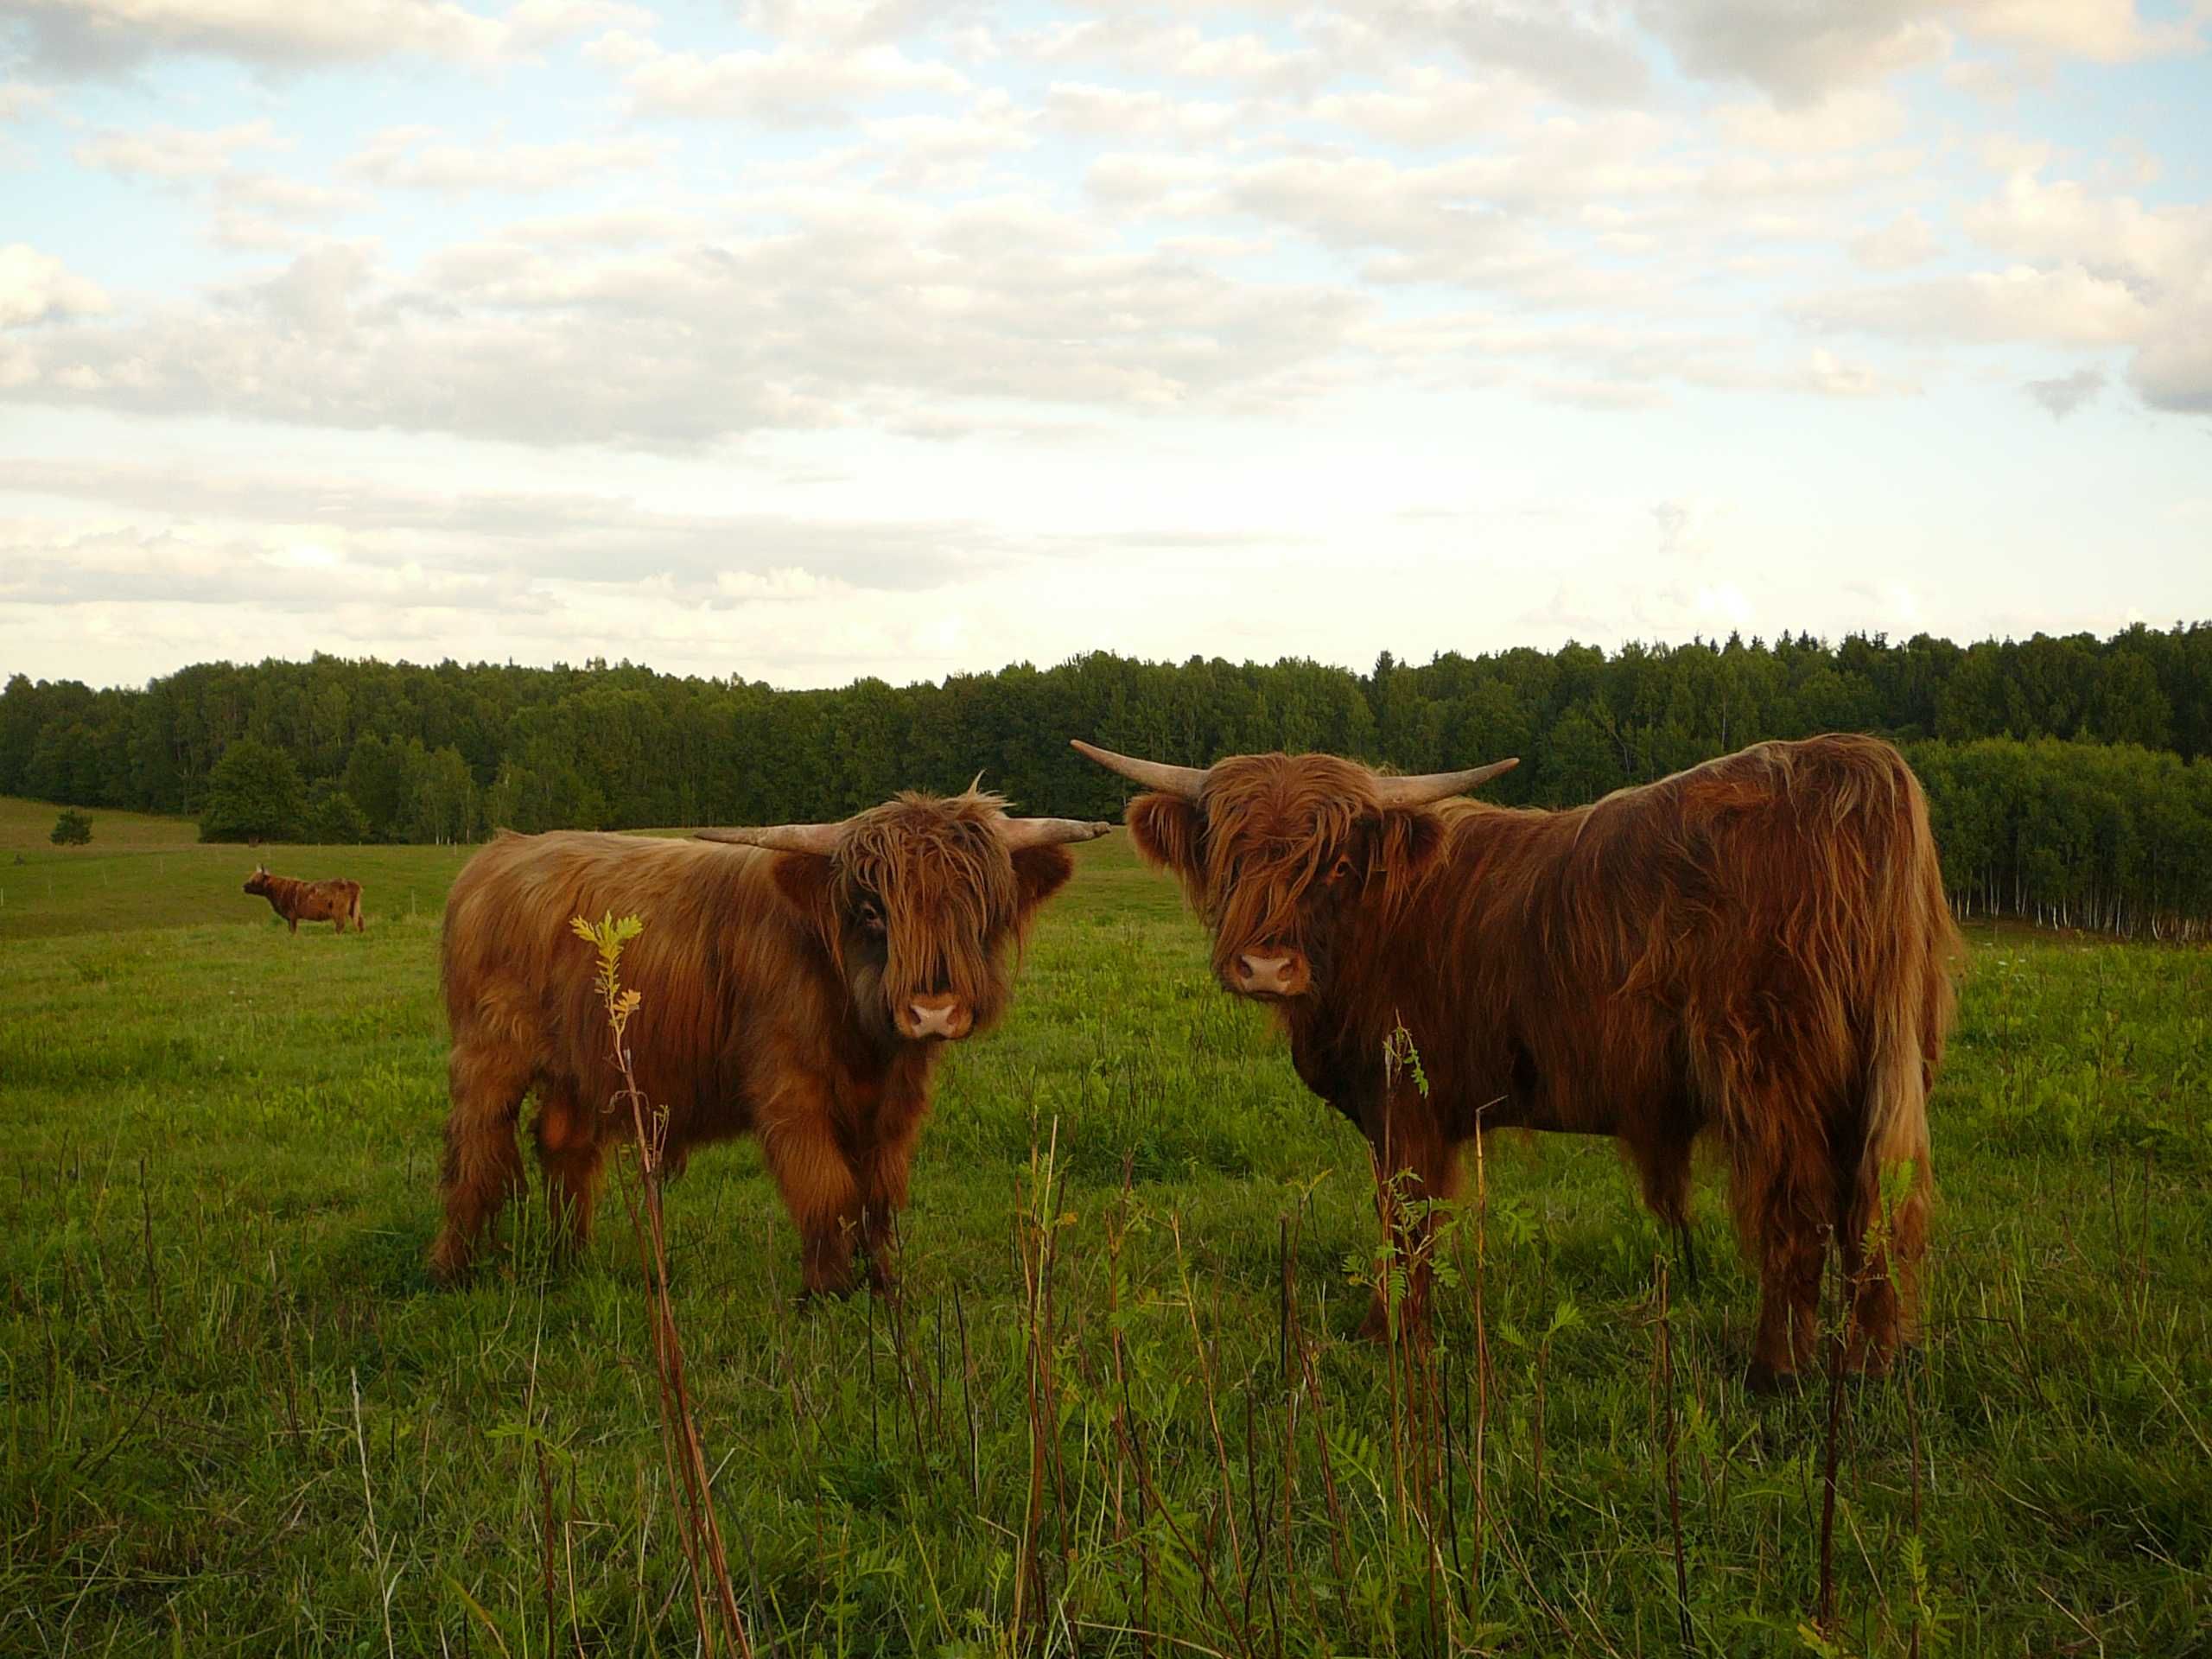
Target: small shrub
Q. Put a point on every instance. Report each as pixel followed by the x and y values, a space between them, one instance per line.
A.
pixel 71 830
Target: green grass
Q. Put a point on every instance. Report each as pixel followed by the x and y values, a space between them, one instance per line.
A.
pixel 222 1144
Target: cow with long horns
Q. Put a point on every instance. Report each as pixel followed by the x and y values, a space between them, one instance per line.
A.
pixel 1757 949
pixel 799 984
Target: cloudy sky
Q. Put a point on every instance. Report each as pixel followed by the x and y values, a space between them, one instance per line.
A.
pixel 807 338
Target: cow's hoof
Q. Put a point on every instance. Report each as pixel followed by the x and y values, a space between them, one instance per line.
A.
pixel 1763 1380
pixel 447 1266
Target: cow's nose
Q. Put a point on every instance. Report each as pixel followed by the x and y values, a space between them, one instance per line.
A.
pixel 1267 975
pixel 939 1016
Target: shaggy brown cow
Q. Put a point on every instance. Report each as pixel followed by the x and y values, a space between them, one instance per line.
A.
pixel 1757 947
pixel 800 989
pixel 336 902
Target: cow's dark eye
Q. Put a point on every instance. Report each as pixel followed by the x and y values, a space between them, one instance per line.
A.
pixel 871 916
pixel 1341 870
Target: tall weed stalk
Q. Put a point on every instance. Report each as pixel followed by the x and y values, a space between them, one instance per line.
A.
pixel 698 1529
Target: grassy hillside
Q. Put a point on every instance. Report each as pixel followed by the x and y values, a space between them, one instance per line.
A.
pixel 234 1418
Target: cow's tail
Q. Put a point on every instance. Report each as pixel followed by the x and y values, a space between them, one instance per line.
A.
pixel 1893 1190
pixel 353 910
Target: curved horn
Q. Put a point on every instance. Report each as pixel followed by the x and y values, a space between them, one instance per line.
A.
pixel 820 839
pixel 1185 781
pixel 1020 834
pixel 1437 786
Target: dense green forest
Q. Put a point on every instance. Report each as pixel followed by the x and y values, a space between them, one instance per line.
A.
pixel 2068 775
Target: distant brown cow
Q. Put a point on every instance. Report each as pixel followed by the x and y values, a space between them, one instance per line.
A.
pixel 798 986
pixel 1758 948
pixel 334 901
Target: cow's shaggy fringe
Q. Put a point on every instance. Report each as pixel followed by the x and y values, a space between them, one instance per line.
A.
pixel 1758 948
pixel 689 1479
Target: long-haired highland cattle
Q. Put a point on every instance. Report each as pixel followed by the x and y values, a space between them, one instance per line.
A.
pixel 1757 949
pixel 798 985
pixel 336 901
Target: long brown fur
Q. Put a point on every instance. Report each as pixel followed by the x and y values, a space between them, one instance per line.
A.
pixel 770 1007
pixel 334 901
pixel 1757 949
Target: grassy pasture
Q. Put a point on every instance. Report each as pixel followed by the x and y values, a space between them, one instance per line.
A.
pixel 235 1418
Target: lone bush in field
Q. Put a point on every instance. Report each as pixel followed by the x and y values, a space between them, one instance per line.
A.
pixel 71 830
pixel 253 794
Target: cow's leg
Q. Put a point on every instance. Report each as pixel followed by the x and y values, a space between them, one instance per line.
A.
pixel 292 922
pixel 1882 1252
pixel 1784 1201
pixel 799 1140
pixel 1415 1167
pixel 884 1165
pixel 483 1165
pixel 1885 1190
pixel 568 1152
pixel 1663 1165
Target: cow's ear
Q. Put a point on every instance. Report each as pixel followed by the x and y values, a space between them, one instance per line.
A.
pixel 1165 831
pixel 1406 838
pixel 803 879
pixel 1038 873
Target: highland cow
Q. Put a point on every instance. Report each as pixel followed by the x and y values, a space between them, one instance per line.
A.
pixel 798 986
pixel 334 901
pixel 1756 949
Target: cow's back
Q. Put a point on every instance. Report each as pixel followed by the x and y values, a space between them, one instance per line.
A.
pixel 718 941
pixel 1587 957
pixel 1787 883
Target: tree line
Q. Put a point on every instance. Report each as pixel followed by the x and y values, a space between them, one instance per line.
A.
pixel 2068 774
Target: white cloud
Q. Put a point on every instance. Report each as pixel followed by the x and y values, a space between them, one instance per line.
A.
pixel 1120 112
pixel 419 158
pixel 1574 51
pixel 1842 120
pixel 35 286
pixel 102 36
pixel 845 22
pixel 1430 109
pixel 19 97
pixel 268 213
pixel 1802 52
pixel 173 153
pixel 941 151
pixel 794 84
pixel 2103 31
pixel 2174 370
pixel 2064 394
pixel 58 566
pixel 867 304
pixel 1797 52
pixel 2159 257
pixel 2063 306
pixel 1904 242
pixel 1135 41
